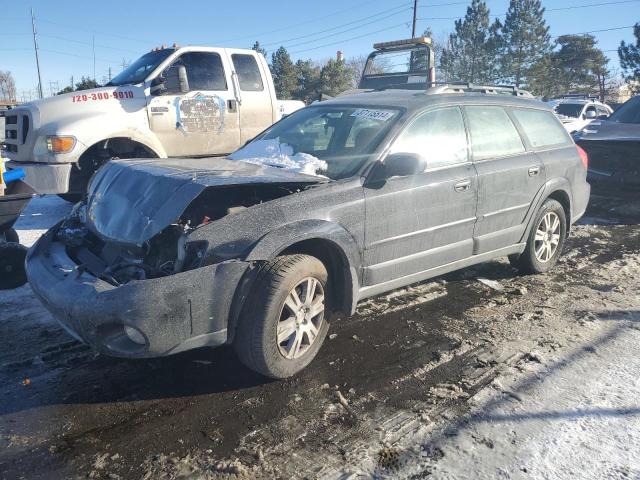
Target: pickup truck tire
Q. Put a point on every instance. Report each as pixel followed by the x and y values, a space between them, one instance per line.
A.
pixel 283 325
pixel 545 241
pixel 12 272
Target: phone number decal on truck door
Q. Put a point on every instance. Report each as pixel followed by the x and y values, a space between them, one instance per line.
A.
pixel 102 96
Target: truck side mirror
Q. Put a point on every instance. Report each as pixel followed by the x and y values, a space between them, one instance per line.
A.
pixel 183 80
pixel 173 80
pixel 590 114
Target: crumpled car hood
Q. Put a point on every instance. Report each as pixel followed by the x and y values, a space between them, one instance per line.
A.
pixel 607 130
pixel 130 201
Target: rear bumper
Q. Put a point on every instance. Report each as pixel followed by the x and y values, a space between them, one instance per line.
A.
pixel 614 163
pixel 173 314
pixel 45 177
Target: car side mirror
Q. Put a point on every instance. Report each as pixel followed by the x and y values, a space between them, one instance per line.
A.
pixel 590 114
pixel 173 80
pixel 403 164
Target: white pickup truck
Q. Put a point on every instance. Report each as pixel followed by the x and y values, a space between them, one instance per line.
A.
pixel 189 101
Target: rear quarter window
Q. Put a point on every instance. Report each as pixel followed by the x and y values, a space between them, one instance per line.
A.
pixel 541 128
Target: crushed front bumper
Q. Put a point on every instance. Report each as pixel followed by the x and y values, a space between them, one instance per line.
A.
pixel 172 314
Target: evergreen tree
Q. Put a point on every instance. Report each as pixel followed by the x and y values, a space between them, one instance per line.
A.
pixel 335 78
pixel 86 84
pixel 470 55
pixel 629 55
pixel 308 81
pixel 581 63
pixel 259 48
pixel 524 40
pixel 284 74
pixel 575 66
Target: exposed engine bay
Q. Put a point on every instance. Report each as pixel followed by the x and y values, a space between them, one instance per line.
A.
pixel 170 251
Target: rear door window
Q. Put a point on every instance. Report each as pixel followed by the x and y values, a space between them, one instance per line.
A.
pixel 248 72
pixel 541 128
pixel 492 133
pixel 438 135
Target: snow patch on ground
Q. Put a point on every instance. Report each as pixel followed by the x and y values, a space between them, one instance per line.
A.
pixel 280 155
pixel 40 215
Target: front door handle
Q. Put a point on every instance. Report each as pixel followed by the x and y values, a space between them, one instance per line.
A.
pixel 462 186
pixel 534 171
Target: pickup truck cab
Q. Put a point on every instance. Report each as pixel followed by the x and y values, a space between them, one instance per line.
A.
pixel 171 102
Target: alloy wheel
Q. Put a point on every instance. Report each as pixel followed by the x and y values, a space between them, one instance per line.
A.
pixel 547 237
pixel 301 318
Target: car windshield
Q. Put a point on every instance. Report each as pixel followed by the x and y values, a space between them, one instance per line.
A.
pixel 569 109
pixel 629 112
pixel 141 68
pixel 339 139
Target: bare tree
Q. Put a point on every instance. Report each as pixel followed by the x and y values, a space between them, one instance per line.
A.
pixel 7 86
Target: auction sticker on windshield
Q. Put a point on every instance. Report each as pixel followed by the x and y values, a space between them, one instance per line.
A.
pixel 383 115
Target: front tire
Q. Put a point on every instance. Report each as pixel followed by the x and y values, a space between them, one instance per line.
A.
pixel 545 241
pixel 284 324
pixel 12 272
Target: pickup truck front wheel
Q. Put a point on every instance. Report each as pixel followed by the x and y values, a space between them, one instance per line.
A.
pixel 284 323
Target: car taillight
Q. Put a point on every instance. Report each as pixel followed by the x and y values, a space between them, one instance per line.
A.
pixel 583 156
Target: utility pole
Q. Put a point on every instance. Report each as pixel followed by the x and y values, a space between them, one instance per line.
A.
pixel 93 42
pixel 72 84
pixel 109 73
pixel 35 46
pixel 415 15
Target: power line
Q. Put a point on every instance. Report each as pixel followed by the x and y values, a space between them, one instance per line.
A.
pixel 286 41
pixel 80 42
pixel 352 38
pixel 294 24
pixel 349 29
pixel 572 7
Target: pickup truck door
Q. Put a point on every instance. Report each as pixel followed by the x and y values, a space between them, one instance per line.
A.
pixel 203 121
pixel 418 222
pixel 254 92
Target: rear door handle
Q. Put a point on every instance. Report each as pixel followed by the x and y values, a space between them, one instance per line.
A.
pixel 462 186
pixel 534 171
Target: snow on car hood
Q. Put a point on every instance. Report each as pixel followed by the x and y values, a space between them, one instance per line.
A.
pixel 130 201
pixel 279 155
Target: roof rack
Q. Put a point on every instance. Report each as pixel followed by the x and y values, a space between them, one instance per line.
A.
pixel 578 96
pixel 473 88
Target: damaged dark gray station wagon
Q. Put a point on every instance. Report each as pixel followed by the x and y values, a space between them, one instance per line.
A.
pixel 340 201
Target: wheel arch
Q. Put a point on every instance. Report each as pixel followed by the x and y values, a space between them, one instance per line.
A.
pixel 325 240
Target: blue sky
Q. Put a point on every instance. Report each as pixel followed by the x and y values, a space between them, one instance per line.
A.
pixel 122 30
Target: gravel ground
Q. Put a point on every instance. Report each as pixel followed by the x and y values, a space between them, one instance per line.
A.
pixel 478 374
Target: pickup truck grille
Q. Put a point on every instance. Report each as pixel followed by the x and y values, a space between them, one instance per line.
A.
pixel 16 130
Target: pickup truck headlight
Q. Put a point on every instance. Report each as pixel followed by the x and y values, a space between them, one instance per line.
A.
pixel 60 144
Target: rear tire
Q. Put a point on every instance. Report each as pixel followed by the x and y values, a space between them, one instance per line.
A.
pixel 283 326
pixel 11 236
pixel 12 272
pixel 545 241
